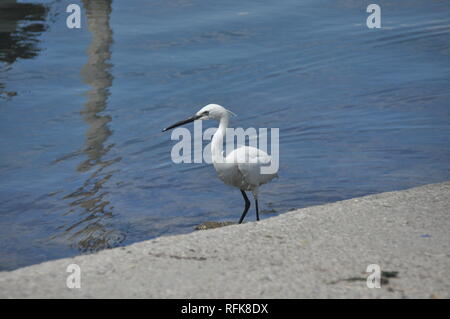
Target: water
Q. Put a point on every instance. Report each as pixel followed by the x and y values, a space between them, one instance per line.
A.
pixel 84 166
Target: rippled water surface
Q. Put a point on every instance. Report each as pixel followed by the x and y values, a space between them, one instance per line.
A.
pixel 84 165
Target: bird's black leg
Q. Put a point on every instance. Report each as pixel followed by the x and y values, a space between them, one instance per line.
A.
pixel 247 206
pixel 257 211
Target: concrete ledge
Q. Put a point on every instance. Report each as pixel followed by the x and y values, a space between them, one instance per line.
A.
pixel 316 252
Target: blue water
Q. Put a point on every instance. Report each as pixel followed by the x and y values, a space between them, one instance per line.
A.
pixel 83 162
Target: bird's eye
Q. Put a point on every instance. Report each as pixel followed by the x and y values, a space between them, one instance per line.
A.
pixel 206 113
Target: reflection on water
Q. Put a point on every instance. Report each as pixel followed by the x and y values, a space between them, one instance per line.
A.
pixel 20 25
pixel 91 232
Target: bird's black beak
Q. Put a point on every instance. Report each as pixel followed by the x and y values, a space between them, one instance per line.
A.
pixel 188 120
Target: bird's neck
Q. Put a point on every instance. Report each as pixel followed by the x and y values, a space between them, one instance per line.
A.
pixel 217 140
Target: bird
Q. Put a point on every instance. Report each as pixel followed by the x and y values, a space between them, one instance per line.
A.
pixel 241 168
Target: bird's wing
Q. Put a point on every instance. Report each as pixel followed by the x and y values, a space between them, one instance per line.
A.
pixel 250 160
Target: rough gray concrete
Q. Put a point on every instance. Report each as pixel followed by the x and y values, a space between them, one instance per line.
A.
pixel 320 251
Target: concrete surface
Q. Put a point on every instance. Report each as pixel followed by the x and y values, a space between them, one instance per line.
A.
pixel 320 251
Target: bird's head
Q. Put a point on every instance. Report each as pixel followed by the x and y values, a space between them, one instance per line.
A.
pixel 213 112
pixel 208 112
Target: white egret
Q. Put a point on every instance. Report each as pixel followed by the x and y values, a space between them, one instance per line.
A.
pixel 241 168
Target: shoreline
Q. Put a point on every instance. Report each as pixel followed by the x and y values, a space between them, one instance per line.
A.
pixel 315 252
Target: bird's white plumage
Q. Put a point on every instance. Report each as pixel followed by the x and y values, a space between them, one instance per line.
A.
pixel 241 168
